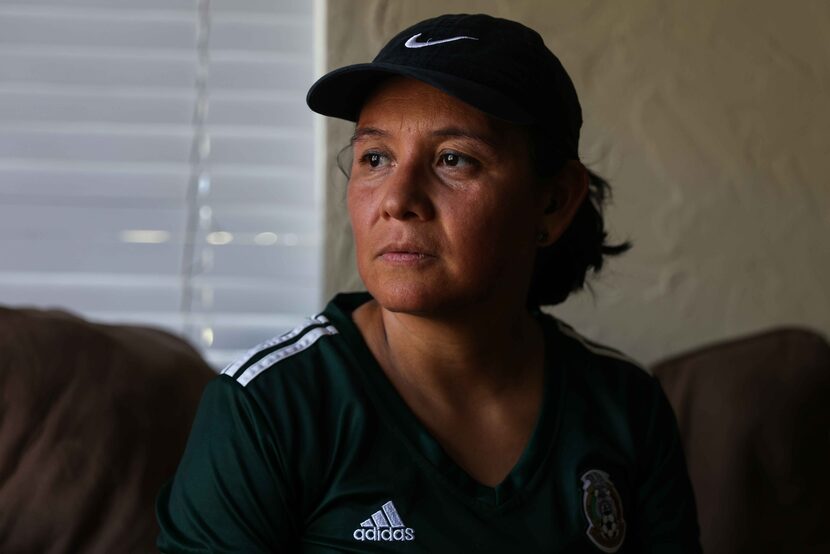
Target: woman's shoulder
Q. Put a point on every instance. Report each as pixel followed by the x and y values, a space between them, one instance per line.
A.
pixel 318 347
pixel 606 389
pixel 283 355
pixel 604 374
pixel 602 352
pixel 596 354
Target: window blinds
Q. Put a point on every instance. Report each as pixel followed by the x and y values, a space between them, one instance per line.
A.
pixel 157 164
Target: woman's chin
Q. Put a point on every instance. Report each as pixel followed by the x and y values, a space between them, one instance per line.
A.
pixel 433 301
pixel 403 303
pixel 411 299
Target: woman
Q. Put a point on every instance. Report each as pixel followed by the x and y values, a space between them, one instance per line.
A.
pixel 443 411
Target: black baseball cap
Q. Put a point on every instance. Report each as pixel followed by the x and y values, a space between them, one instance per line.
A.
pixel 496 65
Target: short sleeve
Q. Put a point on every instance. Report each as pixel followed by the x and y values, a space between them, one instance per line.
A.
pixel 666 513
pixel 229 493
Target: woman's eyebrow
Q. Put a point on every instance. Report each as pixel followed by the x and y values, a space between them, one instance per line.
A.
pixel 456 132
pixel 446 132
pixel 364 132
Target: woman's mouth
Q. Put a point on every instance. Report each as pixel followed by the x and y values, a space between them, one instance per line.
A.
pixel 405 254
pixel 403 257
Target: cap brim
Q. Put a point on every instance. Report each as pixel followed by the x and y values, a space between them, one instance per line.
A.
pixel 342 92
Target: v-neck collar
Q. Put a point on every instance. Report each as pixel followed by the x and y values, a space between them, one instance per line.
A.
pixel 428 451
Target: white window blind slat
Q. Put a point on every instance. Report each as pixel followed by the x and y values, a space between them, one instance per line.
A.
pixel 92 293
pixel 30 180
pixel 37 106
pixel 130 146
pixel 86 69
pixel 90 258
pixel 105 6
pixel 300 8
pixel 30 183
pixel 74 28
pixel 289 114
pixel 257 34
pixel 290 74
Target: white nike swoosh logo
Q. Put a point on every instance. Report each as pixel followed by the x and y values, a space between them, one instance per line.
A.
pixel 413 41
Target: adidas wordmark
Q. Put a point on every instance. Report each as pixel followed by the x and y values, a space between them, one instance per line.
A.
pixel 384 525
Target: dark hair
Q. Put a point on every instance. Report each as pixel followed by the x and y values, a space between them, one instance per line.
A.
pixel 561 268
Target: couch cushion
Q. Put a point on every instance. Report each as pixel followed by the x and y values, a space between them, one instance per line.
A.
pixel 93 420
pixel 754 418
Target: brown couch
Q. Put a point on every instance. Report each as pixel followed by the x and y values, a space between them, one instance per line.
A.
pixel 93 419
pixel 754 418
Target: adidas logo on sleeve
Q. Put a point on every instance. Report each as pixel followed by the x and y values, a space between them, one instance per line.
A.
pixel 384 525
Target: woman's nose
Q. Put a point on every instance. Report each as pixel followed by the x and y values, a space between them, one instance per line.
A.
pixel 406 193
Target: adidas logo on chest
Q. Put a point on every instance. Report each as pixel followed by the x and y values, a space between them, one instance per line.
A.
pixel 384 525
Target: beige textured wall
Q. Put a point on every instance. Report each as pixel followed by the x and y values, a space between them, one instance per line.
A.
pixel 712 121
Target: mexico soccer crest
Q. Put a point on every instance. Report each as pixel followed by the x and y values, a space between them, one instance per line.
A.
pixel 603 510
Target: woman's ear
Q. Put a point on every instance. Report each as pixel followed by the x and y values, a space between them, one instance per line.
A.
pixel 565 193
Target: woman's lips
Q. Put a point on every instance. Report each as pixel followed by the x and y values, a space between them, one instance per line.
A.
pixel 404 257
pixel 405 254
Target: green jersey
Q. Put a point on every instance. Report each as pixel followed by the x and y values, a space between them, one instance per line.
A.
pixel 305 446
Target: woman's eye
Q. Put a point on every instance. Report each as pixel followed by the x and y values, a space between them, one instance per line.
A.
pixel 454 159
pixel 373 159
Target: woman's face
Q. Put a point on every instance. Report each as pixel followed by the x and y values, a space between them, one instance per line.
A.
pixel 444 204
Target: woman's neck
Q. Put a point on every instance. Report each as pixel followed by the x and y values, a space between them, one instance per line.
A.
pixel 459 358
